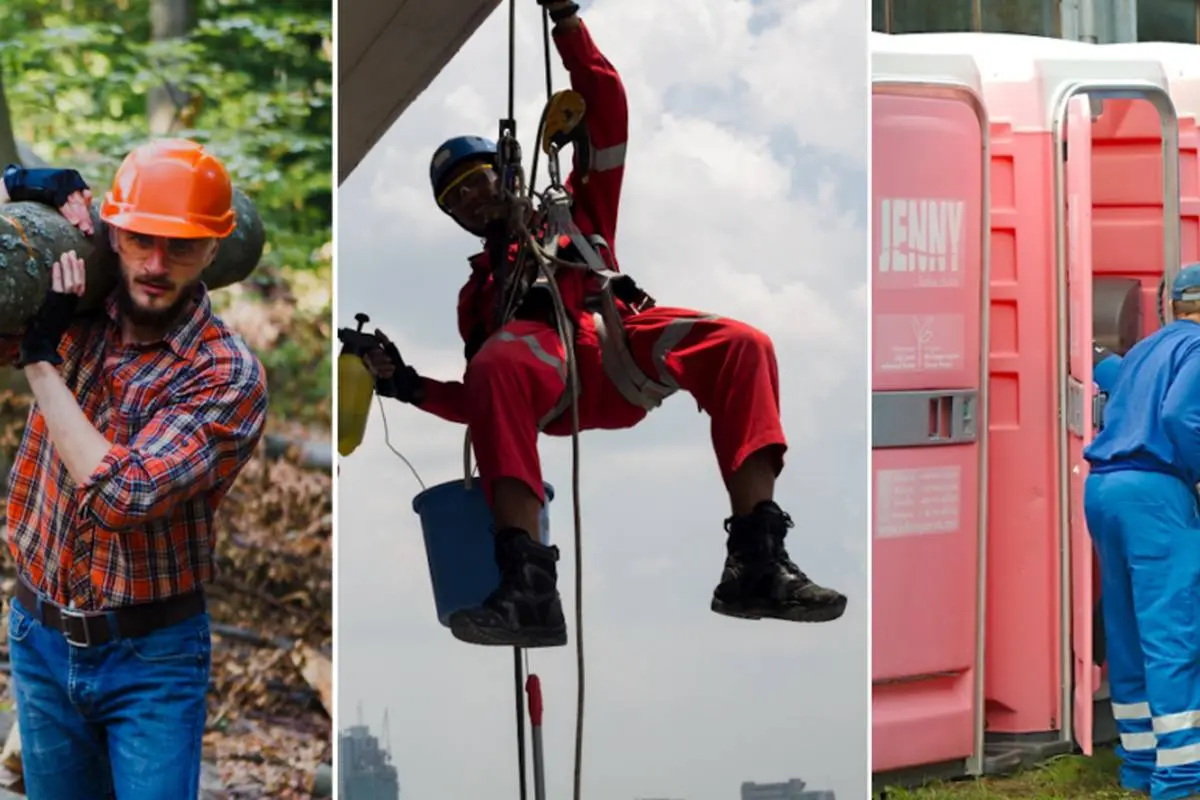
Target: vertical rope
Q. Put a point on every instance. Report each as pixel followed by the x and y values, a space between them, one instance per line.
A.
pixel 519 681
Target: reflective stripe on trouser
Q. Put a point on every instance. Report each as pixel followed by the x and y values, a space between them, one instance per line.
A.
pixel 1148 539
pixel 516 385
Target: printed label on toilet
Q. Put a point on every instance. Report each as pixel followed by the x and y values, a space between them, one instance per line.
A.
pixel 917 502
pixel 920 242
pixel 918 342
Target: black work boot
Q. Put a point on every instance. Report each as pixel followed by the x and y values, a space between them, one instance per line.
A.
pixel 761 581
pixel 525 610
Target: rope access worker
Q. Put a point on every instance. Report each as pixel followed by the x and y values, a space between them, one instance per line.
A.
pixel 1141 507
pixel 516 383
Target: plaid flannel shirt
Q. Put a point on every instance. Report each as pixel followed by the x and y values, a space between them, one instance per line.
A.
pixel 184 416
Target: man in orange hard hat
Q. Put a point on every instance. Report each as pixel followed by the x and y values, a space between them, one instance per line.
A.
pixel 146 411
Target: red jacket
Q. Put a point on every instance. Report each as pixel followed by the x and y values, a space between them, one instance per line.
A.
pixel 596 200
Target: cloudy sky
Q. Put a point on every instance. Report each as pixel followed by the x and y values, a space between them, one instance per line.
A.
pixel 744 194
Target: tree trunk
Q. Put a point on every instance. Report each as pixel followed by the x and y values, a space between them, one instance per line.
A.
pixel 8 144
pixel 33 236
pixel 169 19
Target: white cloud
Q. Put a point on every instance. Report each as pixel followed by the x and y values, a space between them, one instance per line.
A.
pixel 745 170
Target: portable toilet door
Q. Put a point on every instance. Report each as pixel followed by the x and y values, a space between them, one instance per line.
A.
pixel 1075 174
pixel 1145 206
pixel 929 420
pixel 1077 325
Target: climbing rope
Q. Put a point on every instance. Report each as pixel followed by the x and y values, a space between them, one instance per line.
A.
pixel 518 197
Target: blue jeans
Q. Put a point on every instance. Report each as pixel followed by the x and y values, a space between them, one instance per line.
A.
pixel 124 719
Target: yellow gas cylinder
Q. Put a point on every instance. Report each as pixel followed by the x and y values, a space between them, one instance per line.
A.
pixel 355 386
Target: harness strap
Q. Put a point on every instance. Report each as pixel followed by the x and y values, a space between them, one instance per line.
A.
pixel 619 365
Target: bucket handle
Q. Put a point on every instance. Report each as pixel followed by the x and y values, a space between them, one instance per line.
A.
pixel 467 461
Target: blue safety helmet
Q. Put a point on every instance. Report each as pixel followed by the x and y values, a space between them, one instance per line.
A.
pixel 453 153
pixel 1186 286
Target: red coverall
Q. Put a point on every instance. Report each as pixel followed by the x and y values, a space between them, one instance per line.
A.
pixel 519 375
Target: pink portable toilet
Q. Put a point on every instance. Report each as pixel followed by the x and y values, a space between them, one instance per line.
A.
pixel 1041 118
pixel 929 420
pixel 1041 675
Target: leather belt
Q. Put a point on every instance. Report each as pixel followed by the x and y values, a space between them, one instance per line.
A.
pixel 94 628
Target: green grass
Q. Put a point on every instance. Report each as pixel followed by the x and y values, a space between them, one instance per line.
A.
pixel 1062 778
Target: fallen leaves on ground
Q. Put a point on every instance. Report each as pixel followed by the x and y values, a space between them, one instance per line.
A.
pixel 257 756
pixel 274 593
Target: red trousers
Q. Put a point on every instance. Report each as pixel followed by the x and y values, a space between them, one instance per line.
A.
pixel 519 376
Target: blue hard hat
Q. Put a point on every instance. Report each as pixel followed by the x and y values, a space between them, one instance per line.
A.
pixel 454 152
pixel 1186 285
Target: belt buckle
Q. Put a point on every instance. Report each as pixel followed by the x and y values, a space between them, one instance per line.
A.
pixel 69 614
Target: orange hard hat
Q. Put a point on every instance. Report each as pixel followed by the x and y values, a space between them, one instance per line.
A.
pixel 171 187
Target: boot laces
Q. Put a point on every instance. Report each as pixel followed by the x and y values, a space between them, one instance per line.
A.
pixel 776 532
pixel 773 527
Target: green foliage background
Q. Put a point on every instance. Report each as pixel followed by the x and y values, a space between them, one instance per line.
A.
pixel 258 75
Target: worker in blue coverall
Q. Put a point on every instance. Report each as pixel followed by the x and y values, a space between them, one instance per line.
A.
pixel 1141 506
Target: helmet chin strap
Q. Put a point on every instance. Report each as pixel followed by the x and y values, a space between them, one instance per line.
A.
pixel 484 231
pixel 481 232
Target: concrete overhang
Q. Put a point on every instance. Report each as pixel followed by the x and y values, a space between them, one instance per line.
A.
pixel 389 51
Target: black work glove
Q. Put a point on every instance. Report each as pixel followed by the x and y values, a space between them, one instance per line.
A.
pixel 48 185
pixel 46 329
pixel 405 384
pixel 559 10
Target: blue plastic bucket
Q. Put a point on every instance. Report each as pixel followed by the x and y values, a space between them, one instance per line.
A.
pixel 458 529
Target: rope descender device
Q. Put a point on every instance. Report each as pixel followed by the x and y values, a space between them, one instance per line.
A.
pixel 562 124
pixel 511 175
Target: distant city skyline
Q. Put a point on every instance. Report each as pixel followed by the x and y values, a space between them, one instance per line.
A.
pixel 365 769
pixel 794 789
pixel 363 738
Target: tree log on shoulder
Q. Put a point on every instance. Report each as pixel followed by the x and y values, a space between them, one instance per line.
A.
pixel 33 236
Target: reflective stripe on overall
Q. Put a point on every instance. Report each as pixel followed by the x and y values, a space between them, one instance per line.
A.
pixel 634 385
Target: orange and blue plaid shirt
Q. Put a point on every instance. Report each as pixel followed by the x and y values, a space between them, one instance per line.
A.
pixel 184 415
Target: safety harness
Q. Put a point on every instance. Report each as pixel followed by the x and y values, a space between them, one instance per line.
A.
pixel 604 294
pixel 610 287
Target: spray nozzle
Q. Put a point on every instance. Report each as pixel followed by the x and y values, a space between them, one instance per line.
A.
pixel 355 341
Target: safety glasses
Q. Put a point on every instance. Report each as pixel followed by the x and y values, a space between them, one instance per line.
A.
pixel 473 184
pixel 140 247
